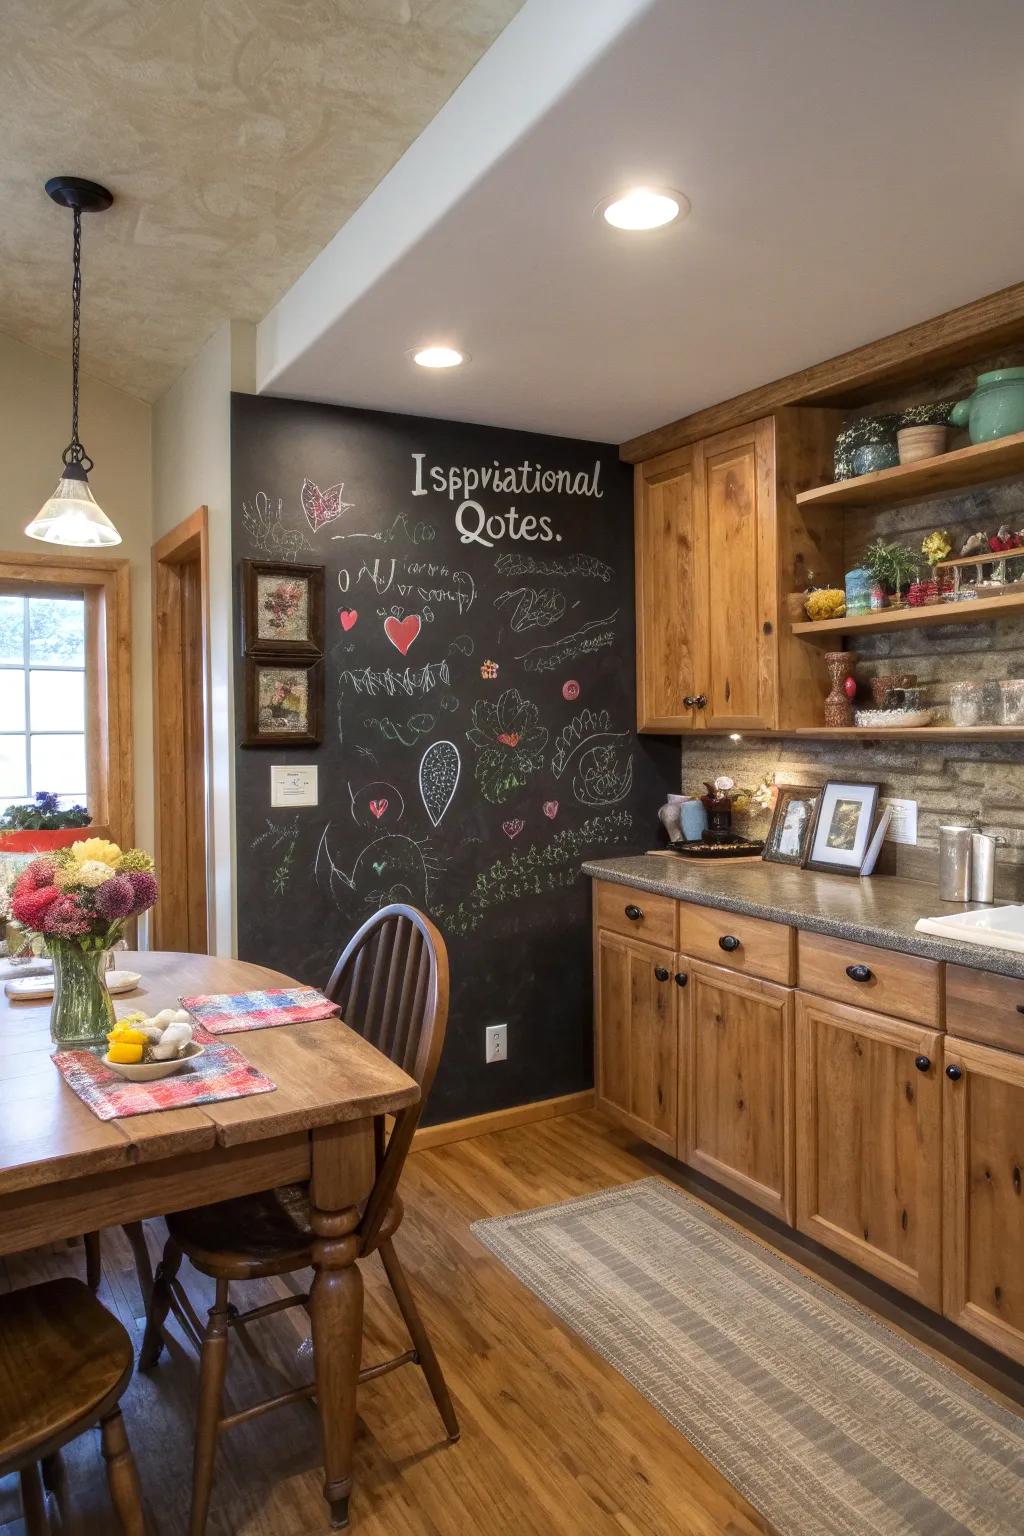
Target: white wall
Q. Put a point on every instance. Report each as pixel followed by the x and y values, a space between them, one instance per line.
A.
pixel 35 424
pixel 191 467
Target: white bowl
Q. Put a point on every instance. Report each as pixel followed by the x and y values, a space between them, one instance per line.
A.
pixel 152 1071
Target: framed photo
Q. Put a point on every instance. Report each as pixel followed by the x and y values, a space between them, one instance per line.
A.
pixel 283 609
pixel 842 827
pixel 283 702
pixel 789 837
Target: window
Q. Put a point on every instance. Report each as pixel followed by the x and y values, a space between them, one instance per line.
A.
pixel 42 698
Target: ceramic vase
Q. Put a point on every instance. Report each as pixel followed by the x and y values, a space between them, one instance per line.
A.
pixel 996 409
pixel 838 708
pixel 82 1011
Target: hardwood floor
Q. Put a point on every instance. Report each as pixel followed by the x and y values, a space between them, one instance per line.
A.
pixel 554 1441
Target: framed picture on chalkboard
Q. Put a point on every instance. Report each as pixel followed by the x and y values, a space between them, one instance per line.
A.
pixel 283 609
pixel 283 702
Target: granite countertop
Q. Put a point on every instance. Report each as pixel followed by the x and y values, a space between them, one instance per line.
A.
pixel 880 910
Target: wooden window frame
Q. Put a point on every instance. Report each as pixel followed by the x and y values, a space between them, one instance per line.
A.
pixel 106 587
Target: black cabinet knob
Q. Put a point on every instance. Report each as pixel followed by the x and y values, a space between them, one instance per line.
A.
pixel 681 978
pixel 859 972
pixel 662 972
pixel 634 913
pixel 922 1063
pixel 700 702
pixel 690 701
pixel 728 942
pixel 953 1072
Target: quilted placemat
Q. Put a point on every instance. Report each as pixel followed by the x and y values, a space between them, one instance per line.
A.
pixel 226 1013
pixel 222 1072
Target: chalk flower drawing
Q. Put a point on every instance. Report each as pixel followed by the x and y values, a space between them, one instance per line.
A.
pixel 585 729
pixel 323 507
pixel 510 744
pixel 582 642
pixel 488 671
pixel 531 607
pixel 267 531
pixel 604 775
pixel 440 767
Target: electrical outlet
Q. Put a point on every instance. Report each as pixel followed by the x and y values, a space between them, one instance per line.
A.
pixel 496 1043
pixel 903 827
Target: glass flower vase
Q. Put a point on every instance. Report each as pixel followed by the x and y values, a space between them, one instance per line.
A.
pixel 82 1011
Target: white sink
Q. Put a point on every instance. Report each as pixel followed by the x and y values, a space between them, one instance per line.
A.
pixel 996 927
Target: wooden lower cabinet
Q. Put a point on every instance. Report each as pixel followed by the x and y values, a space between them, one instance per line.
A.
pixel 736 1083
pixel 983 1247
pixel 636 1027
pixel 869 1142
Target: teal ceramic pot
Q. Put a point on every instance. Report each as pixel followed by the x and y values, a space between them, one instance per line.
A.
pixel 996 409
pixel 870 457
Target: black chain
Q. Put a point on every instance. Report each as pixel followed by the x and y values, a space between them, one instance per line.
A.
pixel 74 453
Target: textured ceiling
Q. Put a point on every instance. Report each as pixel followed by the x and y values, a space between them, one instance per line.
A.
pixel 237 136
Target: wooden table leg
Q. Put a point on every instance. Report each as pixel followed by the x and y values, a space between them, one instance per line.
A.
pixel 342 1174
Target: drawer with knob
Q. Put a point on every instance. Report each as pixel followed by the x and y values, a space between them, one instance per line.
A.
pixel 905 986
pixel 752 945
pixel 638 914
pixel 984 1007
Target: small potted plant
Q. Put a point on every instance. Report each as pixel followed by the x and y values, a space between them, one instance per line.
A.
pixel 42 826
pixel 893 567
pixel 923 431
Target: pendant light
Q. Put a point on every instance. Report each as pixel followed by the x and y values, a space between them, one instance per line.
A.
pixel 72 515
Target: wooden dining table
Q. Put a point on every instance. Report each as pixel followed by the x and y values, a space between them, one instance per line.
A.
pixel 64 1172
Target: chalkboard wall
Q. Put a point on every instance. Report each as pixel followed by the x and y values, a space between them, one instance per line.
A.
pixel 479 716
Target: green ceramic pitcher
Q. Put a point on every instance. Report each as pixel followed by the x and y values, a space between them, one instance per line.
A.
pixel 996 409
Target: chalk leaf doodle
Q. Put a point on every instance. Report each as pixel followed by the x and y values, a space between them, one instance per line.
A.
pixel 402 632
pixel 407 733
pixel 584 730
pixel 322 507
pixel 282 840
pixel 372 680
pixel 513 828
pixel 510 744
pixel 582 642
pixel 604 775
pixel 515 564
pixel 440 767
pixel 416 533
pixel 531 607
pixel 347 618
pixel 267 531
pixel 550 809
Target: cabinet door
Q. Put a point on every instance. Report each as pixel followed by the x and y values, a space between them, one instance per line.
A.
pixel 869 1140
pixel 742 611
pixel 637 1037
pixel 983 1226
pixel 671 585
pixel 737 1075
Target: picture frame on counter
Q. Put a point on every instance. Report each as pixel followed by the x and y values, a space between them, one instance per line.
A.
pixel 789 836
pixel 843 824
pixel 282 609
pixel 283 702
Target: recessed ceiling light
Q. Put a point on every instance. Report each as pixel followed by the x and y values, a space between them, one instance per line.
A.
pixel 644 208
pixel 438 357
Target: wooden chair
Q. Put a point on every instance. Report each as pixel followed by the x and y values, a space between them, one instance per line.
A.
pixel 392 986
pixel 64 1365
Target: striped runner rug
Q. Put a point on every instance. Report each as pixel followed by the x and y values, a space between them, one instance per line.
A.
pixel 828 1422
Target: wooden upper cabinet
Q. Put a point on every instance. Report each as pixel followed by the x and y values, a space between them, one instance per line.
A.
pixel 868 1141
pixel 636 1028
pixel 983 1219
pixel 671 572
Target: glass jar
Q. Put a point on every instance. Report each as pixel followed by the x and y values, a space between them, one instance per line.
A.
pixel 858 591
pixel 966 703
pixel 1012 691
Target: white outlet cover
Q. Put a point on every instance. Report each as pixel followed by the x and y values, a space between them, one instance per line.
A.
pixel 903 826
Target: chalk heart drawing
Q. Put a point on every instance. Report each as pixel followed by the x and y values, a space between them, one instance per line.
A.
pixel 378 807
pixel 369 803
pixel 347 618
pixel 571 690
pixel 322 507
pixel 550 809
pixel 513 828
pixel 440 767
pixel 402 632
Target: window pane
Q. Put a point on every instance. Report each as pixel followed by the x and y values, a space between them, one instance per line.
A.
pixel 56 631
pixel 12 700
pixel 12 766
pixel 58 765
pixel 12 625
pixel 56 700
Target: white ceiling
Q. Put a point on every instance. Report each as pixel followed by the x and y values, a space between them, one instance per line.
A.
pixel 853 168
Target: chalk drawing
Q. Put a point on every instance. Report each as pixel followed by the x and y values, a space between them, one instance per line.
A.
pixel 582 642
pixel 531 607
pixel 535 871
pixel 416 533
pixel 347 618
pixel 510 744
pixel 365 752
pixel 407 733
pixel 515 563
pixel 374 680
pixel 267 531
pixel 570 690
pixel 550 809
pixel 402 632
pixel 281 840
pixel 440 767
pixel 513 828
pixel 463 645
pixel 322 507
pixel 488 671
pixel 583 730
pixel 393 867
pixel 373 801
pixel 604 775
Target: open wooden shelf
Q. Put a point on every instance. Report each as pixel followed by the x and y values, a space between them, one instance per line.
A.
pixel 928 477
pixel 974 610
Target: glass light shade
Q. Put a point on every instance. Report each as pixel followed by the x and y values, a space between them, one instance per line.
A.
pixel 645 208
pixel 72 516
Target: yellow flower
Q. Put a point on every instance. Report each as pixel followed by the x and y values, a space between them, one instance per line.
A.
pixel 95 848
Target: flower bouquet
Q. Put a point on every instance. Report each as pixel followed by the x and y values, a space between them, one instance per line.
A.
pixel 78 900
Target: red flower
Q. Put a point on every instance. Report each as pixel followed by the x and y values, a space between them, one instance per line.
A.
pixel 39 873
pixel 30 906
pixel 66 918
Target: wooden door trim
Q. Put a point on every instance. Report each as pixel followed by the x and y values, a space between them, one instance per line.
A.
pixel 924 1285
pixel 186 542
